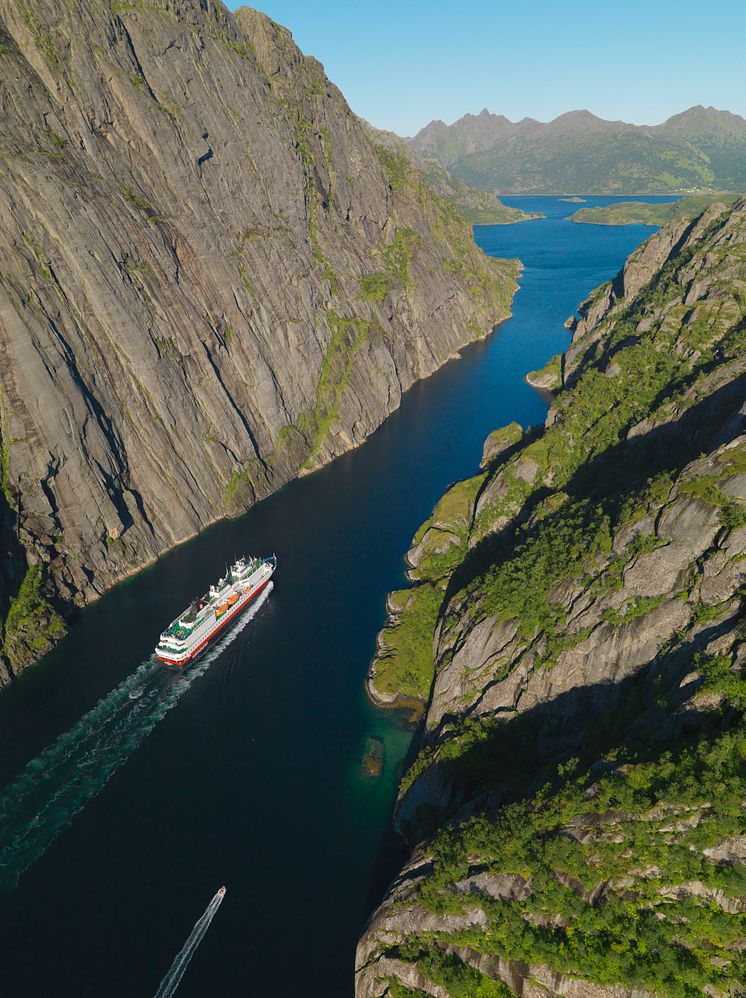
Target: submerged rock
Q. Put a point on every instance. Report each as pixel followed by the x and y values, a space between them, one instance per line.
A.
pixel 374 757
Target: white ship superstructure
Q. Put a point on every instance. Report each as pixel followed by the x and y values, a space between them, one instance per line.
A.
pixel 207 616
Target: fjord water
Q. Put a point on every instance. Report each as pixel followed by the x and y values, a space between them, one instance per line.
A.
pixel 252 778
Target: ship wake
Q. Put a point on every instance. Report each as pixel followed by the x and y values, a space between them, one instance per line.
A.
pixel 42 802
pixel 176 971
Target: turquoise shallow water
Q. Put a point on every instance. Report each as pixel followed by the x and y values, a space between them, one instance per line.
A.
pixel 247 773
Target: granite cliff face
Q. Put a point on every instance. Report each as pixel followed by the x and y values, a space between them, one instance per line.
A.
pixel 211 281
pixel 576 805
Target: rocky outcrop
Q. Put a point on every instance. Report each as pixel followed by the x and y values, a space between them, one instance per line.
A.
pixel 401 671
pixel 212 281
pixel 549 378
pixel 577 794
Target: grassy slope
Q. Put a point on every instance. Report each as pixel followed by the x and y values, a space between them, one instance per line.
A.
pixel 404 663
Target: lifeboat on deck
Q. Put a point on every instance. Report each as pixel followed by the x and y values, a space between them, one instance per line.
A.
pixel 233 598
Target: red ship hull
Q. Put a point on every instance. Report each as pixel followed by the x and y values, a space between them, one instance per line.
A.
pixel 179 664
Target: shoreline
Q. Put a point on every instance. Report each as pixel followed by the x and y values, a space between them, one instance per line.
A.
pixel 72 612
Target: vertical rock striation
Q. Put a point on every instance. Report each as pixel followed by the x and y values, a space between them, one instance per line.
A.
pixel 211 281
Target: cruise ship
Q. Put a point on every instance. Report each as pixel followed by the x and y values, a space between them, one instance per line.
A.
pixel 206 617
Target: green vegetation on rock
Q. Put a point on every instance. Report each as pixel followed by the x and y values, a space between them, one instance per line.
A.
pixel 5 466
pixel 348 336
pixel 494 284
pixel 549 377
pixel 479 208
pixel 396 165
pixel 404 664
pixel 610 885
pixel 560 547
pixel 395 258
pixel 236 491
pixel 397 255
pixel 577 796
pixel 446 971
pixel 440 543
pixel 375 287
pixel 32 626
pixel 500 441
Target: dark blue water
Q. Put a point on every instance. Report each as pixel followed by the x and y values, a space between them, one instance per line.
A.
pixel 252 778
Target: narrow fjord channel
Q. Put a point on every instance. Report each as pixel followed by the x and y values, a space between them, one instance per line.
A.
pixel 249 774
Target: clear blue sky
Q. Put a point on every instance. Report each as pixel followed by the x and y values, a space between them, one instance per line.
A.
pixel 401 63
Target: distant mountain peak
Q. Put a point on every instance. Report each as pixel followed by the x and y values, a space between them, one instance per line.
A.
pixel 701 120
pixel 470 133
pixel 702 148
pixel 578 114
pixel 696 110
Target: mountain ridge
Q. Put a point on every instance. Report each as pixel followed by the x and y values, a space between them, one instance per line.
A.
pixel 579 153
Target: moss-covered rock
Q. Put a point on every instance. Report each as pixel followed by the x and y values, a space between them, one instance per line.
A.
pixel 402 669
pixel 576 801
pixel 32 626
pixel 549 377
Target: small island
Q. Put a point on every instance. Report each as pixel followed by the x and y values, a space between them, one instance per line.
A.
pixel 645 213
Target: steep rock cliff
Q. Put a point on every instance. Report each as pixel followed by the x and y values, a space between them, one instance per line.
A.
pixel 577 799
pixel 211 281
pixel 479 207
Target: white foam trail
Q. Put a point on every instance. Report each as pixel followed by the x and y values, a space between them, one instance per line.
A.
pixel 42 802
pixel 176 971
